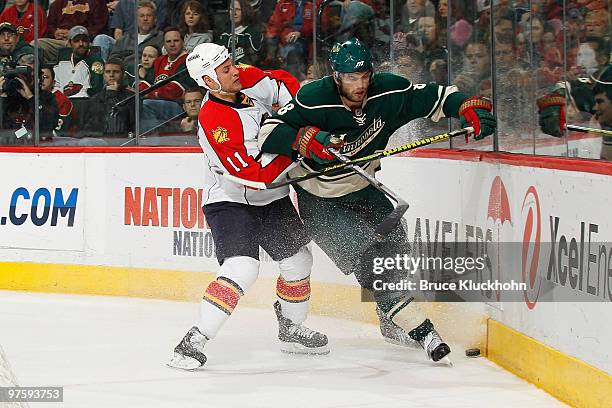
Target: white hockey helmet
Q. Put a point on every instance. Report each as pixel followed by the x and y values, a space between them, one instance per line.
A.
pixel 203 60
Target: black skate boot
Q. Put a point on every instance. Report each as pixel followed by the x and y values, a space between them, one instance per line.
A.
pixel 394 334
pixel 188 355
pixel 430 340
pixel 298 339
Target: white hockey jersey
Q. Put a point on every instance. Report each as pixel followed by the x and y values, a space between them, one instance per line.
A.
pixel 74 80
pixel 228 135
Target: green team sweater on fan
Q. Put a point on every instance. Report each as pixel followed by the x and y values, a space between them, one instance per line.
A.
pixel 392 101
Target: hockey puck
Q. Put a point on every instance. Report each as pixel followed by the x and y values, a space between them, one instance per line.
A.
pixel 472 352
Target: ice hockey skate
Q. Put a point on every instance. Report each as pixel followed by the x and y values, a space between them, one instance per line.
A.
pixel 297 338
pixel 394 334
pixel 188 354
pixel 431 342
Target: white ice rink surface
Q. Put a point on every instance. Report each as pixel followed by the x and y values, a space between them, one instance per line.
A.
pixel 111 352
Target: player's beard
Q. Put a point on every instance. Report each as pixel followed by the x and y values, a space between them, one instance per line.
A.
pixel 349 96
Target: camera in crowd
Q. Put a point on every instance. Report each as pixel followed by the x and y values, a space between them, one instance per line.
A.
pixel 12 85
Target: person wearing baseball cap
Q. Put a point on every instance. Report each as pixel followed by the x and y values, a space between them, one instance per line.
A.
pixel 77 31
pixel 65 14
pixel 12 46
pixel 81 75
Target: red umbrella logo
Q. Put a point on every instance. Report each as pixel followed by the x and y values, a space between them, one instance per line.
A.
pixel 499 207
pixel 499 210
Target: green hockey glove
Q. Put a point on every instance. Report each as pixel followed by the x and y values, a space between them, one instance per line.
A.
pixel 551 113
pixel 476 112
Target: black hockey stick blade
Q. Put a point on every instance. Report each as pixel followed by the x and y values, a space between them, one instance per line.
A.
pixel 390 222
pixel 335 168
pixel 392 219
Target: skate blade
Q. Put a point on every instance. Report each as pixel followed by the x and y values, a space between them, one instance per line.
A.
pixel 412 346
pixel 296 348
pixel 180 362
pixel 445 361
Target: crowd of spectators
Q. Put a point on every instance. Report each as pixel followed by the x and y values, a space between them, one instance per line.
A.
pixel 82 43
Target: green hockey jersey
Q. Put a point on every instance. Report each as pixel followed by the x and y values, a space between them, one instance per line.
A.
pixel 391 102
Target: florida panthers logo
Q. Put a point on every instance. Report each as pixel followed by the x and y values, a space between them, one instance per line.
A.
pixel 220 135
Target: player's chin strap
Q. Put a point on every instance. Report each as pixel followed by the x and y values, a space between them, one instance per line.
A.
pixel 339 167
pixel 220 90
pixel 390 222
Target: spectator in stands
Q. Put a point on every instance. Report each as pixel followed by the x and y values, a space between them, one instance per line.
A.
pixel 593 56
pixel 248 35
pixel 146 71
pixel 529 39
pixel 552 9
pixel 575 28
pixel 382 29
pixel 356 21
pixel 504 30
pixel 81 75
pixel 438 72
pixel 429 45
pixel 550 70
pixel 602 93
pixel 263 9
pixel 443 10
pixel 123 26
pixel 194 25
pixel 148 34
pixel 13 49
pixel 410 13
pixel 192 100
pixel 101 116
pixel 18 104
pixel 410 64
pixel 476 68
pixel 123 18
pixel 513 83
pixel 505 55
pixel 21 16
pixel 442 20
pixel 596 24
pixel 592 60
pixel 289 35
pixel 67 114
pixel 65 14
pixel 163 103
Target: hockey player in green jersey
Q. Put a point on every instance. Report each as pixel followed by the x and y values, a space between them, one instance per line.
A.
pixel 342 211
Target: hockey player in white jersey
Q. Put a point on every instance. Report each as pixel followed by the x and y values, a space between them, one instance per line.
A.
pixel 242 219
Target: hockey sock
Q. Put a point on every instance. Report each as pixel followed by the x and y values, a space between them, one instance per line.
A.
pixel 236 276
pixel 293 285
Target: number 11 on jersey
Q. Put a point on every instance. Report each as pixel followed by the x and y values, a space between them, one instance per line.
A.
pixel 239 158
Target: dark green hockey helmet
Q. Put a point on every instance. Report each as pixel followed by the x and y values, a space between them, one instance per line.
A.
pixel 350 56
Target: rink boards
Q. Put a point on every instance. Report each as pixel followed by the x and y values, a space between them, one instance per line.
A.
pixel 127 223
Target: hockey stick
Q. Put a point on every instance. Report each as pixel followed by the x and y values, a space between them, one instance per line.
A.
pixel 390 222
pixel 601 132
pixel 258 185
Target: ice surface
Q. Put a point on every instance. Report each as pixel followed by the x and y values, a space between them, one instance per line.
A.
pixel 111 352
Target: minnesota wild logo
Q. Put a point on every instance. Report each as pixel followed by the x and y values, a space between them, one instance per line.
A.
pixel 220 135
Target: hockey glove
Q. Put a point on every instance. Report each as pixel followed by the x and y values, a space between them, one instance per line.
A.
pixel 551 112
pixel 476 112
pixel 312 143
